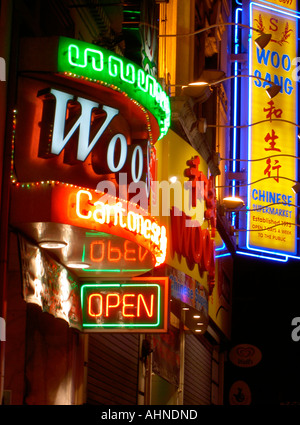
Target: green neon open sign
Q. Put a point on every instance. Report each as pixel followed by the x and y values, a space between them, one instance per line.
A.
pixel 96 63
pixel 140 305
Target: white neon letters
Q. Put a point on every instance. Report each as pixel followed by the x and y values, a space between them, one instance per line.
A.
pixel 65 125
pixel 111 153
pixel 83 123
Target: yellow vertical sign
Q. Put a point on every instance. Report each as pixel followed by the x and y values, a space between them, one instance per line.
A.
pixel 273 142
pixel 290 4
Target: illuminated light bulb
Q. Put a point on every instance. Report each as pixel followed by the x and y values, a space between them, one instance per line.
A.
pixel 52 244
pixel 77 265
pixel 196 316
pixel 198 330
pixel 173 179
pixel 233 202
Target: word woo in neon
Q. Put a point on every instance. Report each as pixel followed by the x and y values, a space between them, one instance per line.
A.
pixel 76 115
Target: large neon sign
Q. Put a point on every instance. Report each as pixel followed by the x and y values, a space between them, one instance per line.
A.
pixel 90 61
pixel 99 215
pixel 275 139
pixel 98 134
pixel 140 305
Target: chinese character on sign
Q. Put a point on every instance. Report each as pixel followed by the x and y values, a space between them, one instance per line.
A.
pixel 195 176
pixel 270 138
pixel 272 111
pixel 276 167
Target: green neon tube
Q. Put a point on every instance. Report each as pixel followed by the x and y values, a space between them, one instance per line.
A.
pixel 98 64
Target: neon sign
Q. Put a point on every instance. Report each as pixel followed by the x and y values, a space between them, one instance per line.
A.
pixel 100 213
pixel 83 123
pixel 101 249
pixel 96 63
pixel 272 137
pixel 111 255
pixel 84 208
pixel 111 155
pixel 140 305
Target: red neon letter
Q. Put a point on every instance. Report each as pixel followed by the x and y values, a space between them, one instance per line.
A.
pixel 127 252
pixel 141 298
pixel 95 303
pixel 141 255
pixel 111 250
pixel 92 256
pixel 108 305
pixel 127 305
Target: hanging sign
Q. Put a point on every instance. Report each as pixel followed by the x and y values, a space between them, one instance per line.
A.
pixel 240 394
pixel 273 143
pixel 140 305
pixel 289 4
pixel 245 355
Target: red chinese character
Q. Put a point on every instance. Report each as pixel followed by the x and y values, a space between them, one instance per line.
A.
pixel 276 167
pixel 272 111
pixel 196 176
pixel 271 140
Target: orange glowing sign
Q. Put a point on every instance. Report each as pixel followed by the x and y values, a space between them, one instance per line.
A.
pixel 135 237
pixel 140 305
pixel 117 215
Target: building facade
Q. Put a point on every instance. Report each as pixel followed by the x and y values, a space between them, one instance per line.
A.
pixel 146 319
